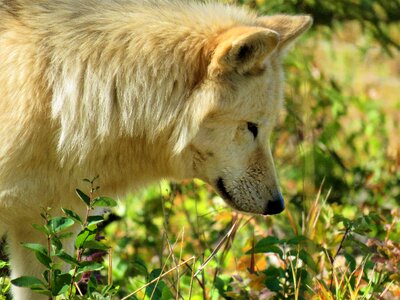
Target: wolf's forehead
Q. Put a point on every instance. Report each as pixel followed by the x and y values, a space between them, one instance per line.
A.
pixel 262 115
pixel 261 101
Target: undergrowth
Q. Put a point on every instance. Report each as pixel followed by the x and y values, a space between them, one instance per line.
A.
pixel 324 255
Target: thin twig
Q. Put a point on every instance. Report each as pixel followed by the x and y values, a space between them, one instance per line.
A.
pixel 385 290
pixel 78 289
pixel 48 251
pixel 110 279
pixel 79 252
pixel 191 280
pixel 171 253
pixel 337 252
pixel 228 245
pixel 197 278
pixel 220 244
pixel 159 277
pixel 177 270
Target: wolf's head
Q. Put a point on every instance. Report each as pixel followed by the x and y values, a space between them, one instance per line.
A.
pixel 240 98
pixel 191 88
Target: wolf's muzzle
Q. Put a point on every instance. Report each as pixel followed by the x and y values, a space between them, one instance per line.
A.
pixel 275 206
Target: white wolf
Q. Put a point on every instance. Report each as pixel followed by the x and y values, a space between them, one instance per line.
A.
pixel 135 91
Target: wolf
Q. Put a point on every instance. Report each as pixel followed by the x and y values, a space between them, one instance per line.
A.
pixel 135 91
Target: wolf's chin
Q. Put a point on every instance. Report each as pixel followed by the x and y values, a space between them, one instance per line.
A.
pixel 223 191
pixel 228 198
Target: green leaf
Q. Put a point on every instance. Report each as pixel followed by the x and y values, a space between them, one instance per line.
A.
pixel 28 282
pixel 93 285
pixel 95 245
pixel 63 290
pixel 73 215
pixel 85 198
pixel 64 256
pixel 55 241
pixel 41 253
pixel 41 290
pixel 346 222
pixel 46 275
pixel 270 240
pixel 352 242
pixel 85 235
pixel 91 227
pixel 65 235
pixel 220 285
pixel 58 224
pixel 268 249
pixel 110 290
pixel 363 225
pixel 296 240
pixel 44 259
pixel 87 266
pixel 308 260
pixel 41 228
pixel 139 266
pixel 273 276
pixel 61 281
pixel 166 293
pixel 36 247
pixel 3 264
pixel 104 201
pixel 81 238
pixel 93 220
pixel 154 290
pixel 267 245
pixel 351 261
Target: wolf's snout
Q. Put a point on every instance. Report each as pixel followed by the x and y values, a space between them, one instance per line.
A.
pixel 275 206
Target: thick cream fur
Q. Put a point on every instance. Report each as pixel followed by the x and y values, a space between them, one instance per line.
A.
pixel 133 91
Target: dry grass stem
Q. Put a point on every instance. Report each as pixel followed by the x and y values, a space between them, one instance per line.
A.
pixel 159 277
pixel 218 247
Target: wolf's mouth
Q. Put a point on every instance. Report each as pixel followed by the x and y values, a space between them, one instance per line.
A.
pixel 222 189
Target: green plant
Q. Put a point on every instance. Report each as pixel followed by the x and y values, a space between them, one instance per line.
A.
pixel 5 283
pixel 55 280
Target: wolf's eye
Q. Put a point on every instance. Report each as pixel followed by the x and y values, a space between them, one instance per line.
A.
pixel 253 129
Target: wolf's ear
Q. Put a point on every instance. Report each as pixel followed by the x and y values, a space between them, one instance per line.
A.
pixel 241 48
pixel 288 27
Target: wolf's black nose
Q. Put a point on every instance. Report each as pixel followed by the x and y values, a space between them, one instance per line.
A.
pixel 275 206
